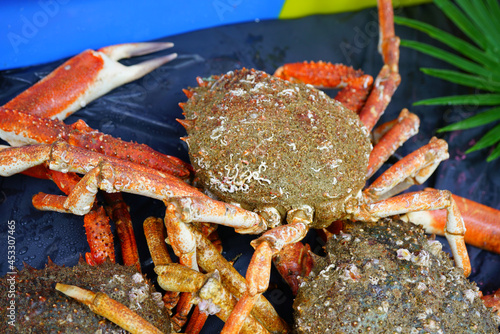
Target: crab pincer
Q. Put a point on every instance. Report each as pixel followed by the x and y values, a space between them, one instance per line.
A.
pixel 87 76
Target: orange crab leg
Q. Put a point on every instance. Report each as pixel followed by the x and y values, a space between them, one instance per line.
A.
pixel 19 128
pixel 155 238
pixel 109 308
pixel 210 259
pixel 388 78
pixel 259 269
pixel 292 262
pixel 196 321
pixel 415 168
pixel 98 231
pixel 356 85
pixel 117 209
pixel 96 222
pixel 493 301
pixel 481 221
pixel 86 77
pixel 406 127
pixel 207 287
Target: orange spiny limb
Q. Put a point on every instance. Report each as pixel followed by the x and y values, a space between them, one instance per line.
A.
pixel 406 126
pixel 356 85
pixel 99 236
pixel 154 230
pixel 482 223
pixel 109 308
pixel 352 98
pixel 31 128
pixel 388 79
pixel 196 321
pixel 210 259
pixel 292 262
pixel 386 84
pixel 96 222
pixel 117 209
pixel 182 311
pixel 493 301
pixel 323 74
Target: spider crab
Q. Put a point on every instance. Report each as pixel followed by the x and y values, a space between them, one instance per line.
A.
pixel 334 161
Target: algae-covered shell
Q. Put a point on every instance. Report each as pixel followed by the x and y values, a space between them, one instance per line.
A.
pixel 39 308
pixel 262 141
pixel 386 277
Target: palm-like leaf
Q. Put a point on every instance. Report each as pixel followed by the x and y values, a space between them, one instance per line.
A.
pixel 478 61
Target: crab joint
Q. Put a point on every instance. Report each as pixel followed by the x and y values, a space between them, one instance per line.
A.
pixel 109 308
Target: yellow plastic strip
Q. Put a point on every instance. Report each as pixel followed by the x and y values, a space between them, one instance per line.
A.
pixel 298 8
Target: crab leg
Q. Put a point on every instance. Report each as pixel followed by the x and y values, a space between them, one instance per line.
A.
pixel 109 308
pixel 19 128
pixel 196 321
pixel 96 222
pixel 292 262
pixel 356 85
pixel 155 238
pixel 406 126
pixel 117 209
pixel 211 294
pixel 210 259
pixel 420 201
pixel 415 168
pixel 493 302
pixel 86 77
pixel 388 79
pixel 481 221
pixel 259 269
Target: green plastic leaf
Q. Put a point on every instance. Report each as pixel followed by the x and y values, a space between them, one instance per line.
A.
pixel 479 20
pixel 482 118
pixel 453 42
pixel 462 22
pixel 495 154
pixel 448 57
pixel 476 99
pixel 480 15
pixel 464 79
pixel 490 138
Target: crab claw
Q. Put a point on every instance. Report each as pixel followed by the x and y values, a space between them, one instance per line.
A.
pixel 86 77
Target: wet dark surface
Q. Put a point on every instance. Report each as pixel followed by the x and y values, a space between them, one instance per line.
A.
pixel 145 111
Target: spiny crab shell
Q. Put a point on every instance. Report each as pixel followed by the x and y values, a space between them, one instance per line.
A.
pixel 261 141
pixel 387 277
pixel 42 309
